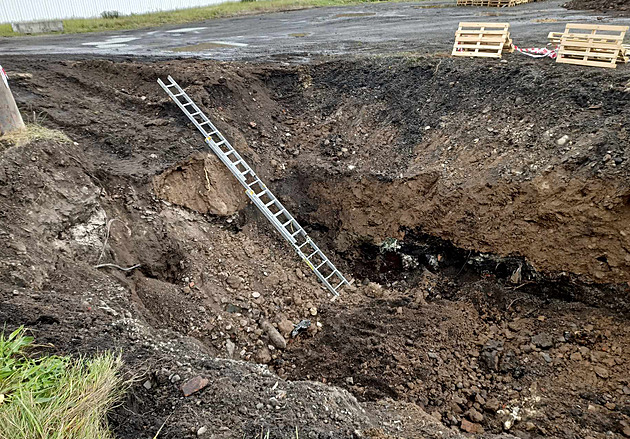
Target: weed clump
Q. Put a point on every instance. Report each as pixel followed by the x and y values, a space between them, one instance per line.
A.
pixel 55 397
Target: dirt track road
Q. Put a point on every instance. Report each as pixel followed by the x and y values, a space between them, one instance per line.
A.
pixel 370 28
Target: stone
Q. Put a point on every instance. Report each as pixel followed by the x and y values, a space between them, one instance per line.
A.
pixel 576 356
pixel 274 336
pixel 234 281
pixel 546 357
pixel 492 405
pixel 601 372
pixel 562 140
pixel 475 416
pixel 530 426
pixel 285 326
pixel 175 378
pixel 471 427
pixel 147 385
pixel 202 430
pixel 263 356
pixel 231 347
pixel 490 359
pixel 542 340
pixel 194 385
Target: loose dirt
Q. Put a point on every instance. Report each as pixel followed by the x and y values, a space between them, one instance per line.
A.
pixel 614 7
pixel 482 209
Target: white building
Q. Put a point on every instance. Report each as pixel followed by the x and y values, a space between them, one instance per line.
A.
pixel 12 11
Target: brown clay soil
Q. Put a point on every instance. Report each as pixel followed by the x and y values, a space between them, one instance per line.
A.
pixel 614 7
pixel 482 208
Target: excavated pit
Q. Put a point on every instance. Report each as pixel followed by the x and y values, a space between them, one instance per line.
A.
pixel 482 209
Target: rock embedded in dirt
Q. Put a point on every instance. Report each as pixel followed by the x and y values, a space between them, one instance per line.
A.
pixel 285 326
pixel 601 372
pixel 274 336
pixel 475 416
pixel 263 355
pixel 471 427
pixel 230 347
pixel 543 341
pixel 194 385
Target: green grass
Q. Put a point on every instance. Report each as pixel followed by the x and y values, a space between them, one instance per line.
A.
pixel 80 25
pixel 54 397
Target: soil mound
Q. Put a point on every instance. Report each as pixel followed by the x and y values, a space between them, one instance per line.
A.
pixel 615 7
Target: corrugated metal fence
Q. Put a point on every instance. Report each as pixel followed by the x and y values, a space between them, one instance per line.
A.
pixel 12 11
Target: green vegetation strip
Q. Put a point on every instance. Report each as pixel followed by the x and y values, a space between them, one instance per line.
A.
pixel 230 9
pixel 53 397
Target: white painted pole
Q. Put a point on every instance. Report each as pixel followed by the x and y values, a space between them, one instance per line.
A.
pixel 10 117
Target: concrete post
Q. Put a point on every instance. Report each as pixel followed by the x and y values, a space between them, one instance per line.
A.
pixel 10 117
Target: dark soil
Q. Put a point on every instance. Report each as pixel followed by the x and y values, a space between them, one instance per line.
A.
pixel 614 7
pixel 491 260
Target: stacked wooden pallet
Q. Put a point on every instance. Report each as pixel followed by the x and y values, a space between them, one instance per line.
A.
pixel 487 40
pixel 491 3
pixel 555 38
pixel 592 45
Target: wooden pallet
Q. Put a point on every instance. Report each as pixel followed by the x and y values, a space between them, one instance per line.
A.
pixel 592 45
pixel 487 40
pixel 555 38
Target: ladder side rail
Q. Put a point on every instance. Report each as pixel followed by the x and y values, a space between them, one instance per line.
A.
pixel 318 274
pixel 321 254
pixel 214 129
pixel 228 163
pixel 274 221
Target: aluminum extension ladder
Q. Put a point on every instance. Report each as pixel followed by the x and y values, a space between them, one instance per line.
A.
pixel 255 189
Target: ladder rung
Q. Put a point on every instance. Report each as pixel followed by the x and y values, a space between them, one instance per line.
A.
pixel 312 254
pixel 171 85
pixel 205 122
pixel 232 151
pixel 194 114
pixel 179 94
pixel 187 104
pixel 296 233
pixel 287 223
pixel 247 171
pixel 238 162
pixel 340 284
pixel 303 244
pixel 279 212
pixel 331 274
pixel 270 203
pixel 325 260
pixel 254 182
pixel 259 194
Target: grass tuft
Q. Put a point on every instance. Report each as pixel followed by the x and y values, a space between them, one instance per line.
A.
pixel 229 9
pixel 55 397
pixel 31 133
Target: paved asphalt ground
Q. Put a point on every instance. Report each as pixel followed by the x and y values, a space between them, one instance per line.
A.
pixel 426 26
